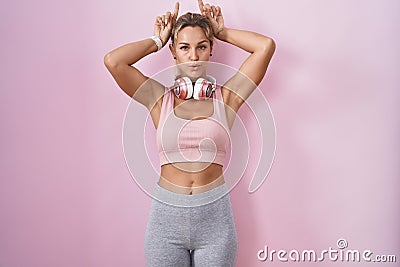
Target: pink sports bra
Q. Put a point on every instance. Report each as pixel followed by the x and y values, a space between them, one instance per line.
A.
pixel 202 140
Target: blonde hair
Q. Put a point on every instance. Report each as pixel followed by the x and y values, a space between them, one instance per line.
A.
pixel 193 20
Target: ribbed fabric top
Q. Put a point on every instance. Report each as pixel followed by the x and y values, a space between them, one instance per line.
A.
pixel 182 140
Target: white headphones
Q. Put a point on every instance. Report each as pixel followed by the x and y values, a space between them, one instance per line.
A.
pixel 202 88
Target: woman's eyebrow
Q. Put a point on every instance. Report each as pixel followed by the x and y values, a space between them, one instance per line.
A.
pixel 184 43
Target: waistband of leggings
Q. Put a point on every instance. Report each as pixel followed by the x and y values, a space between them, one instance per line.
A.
pixel 183 200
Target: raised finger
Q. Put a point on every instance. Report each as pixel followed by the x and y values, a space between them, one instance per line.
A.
pixel 201 5
pixel 175 15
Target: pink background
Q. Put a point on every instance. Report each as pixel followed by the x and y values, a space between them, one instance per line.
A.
pixel 67 197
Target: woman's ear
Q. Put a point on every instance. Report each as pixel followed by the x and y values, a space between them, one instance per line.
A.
pixel 172 49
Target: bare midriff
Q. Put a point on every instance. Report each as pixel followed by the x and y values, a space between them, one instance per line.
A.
pixel 190 177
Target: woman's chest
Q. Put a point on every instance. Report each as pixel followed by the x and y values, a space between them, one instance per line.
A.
pixel 193 109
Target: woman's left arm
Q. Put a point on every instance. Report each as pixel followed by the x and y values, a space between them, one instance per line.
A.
pixel 260 47
pixel 253 69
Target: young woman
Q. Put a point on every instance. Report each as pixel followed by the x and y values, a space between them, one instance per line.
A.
pixel 191 221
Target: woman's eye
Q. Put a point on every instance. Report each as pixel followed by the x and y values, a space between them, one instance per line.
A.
pixel 203 47
pixel 184 47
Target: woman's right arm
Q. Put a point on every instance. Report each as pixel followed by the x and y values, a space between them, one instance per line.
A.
pixel 120 60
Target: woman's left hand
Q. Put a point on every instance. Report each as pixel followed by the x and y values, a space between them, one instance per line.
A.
pixel 214 14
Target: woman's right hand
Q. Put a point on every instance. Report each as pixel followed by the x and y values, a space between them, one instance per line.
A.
pixel 164 23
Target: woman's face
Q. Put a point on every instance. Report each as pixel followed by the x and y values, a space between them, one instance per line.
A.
pixel 192 51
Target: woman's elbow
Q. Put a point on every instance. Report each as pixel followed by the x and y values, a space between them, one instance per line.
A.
pixel 268 46
pixel 109 61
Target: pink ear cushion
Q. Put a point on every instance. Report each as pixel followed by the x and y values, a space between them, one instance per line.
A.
pixel 183 88
pixel 202 89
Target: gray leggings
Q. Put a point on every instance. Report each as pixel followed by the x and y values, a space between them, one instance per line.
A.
pixel 191 230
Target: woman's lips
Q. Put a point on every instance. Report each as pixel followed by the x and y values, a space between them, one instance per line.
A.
pixel 194 68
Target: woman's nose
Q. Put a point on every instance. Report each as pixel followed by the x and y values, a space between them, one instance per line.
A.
pixel 193 55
